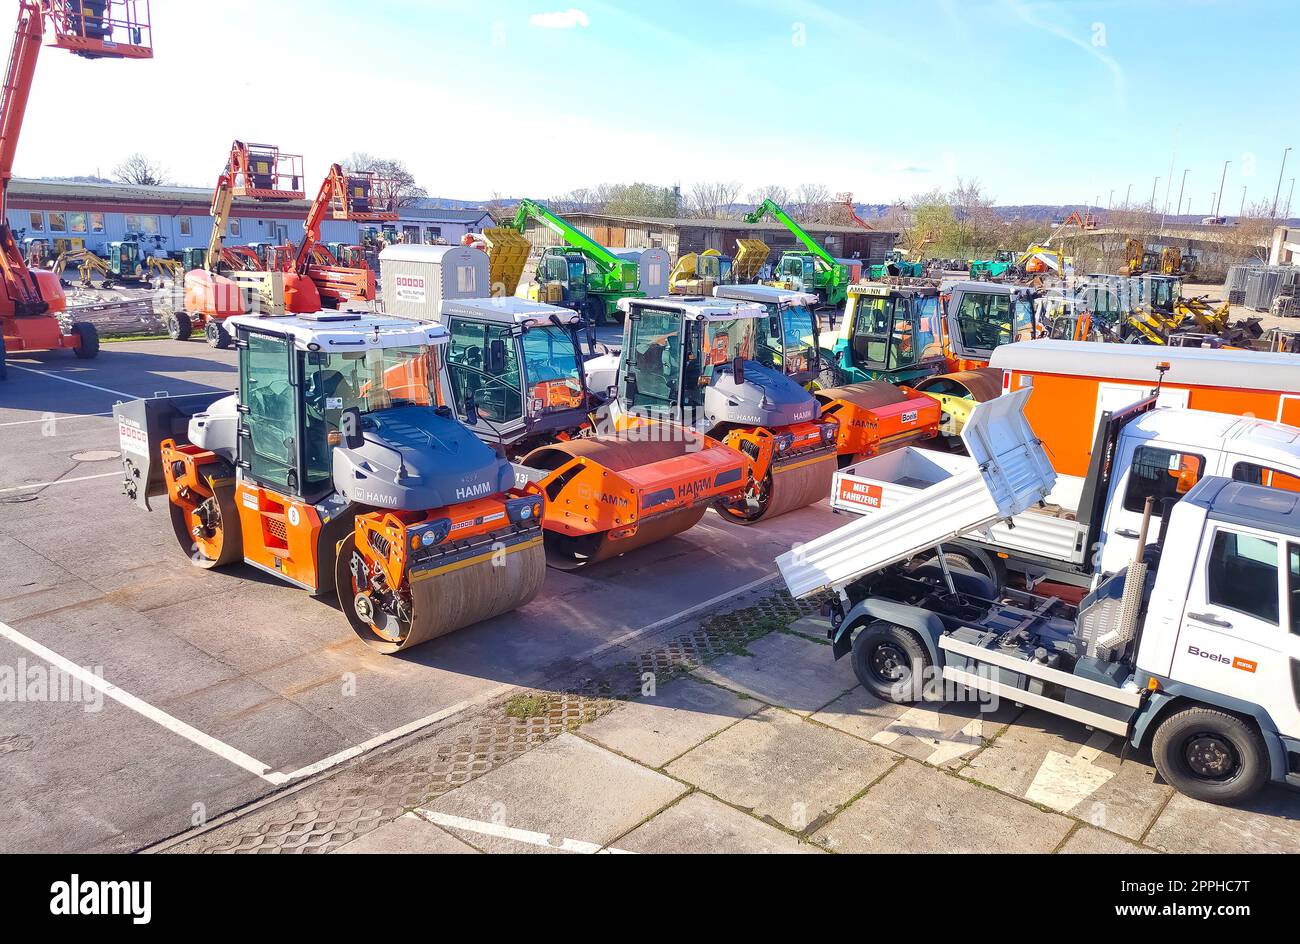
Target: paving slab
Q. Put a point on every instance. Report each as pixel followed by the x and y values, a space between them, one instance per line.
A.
pixel 1270 824
pixel 1059 764
pixel 783 768
pixel 921 809
pixel 655 729
pixel 566 789
pixel 785 670
pixel 407 834
pixel 1091 841
pixel 939 734
pixel 700 824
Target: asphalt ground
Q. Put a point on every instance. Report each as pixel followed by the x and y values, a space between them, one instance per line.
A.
pixel 199 692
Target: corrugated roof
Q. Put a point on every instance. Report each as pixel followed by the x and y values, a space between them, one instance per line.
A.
pixel 682 222
pixel 75 190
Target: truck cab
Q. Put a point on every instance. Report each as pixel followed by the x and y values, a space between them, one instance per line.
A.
pixel 889 333
pixel 789 338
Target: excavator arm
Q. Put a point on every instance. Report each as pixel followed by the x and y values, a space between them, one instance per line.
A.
pixel 572 236
pixel 223 198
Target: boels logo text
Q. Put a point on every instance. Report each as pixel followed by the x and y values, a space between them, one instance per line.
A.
pixel 1243 665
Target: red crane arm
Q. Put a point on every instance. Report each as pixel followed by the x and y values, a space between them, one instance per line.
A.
pixel 333 186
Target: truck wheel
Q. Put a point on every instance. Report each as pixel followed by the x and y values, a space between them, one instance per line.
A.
pixel 890 662
pixel 1211 755
pixel 216 335
pixel 978 563
pixel 89 338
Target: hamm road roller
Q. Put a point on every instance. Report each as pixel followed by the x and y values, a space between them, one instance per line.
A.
pixel 337 466
pixel 514 369
pixel 690 361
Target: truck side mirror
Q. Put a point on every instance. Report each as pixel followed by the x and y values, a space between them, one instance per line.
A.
pixel 497 357
pixel 350 427
pixel 738 371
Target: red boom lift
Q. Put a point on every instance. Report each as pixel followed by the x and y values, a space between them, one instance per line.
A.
pixel 32 300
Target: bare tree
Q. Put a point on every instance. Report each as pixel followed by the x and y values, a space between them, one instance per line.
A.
pixel 396 186
pixel 774 192
pixel 813 203
pixel 713 201
pixel 141 170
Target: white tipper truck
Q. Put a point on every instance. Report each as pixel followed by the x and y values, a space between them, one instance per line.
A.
pixel 1088 527
pixel 1191 650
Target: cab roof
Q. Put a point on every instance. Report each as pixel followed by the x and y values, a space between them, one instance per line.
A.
pixel 1269 443
pixel 697 306
pixel 1253 506
pixel 508 309
pixel 764 294
pixel 883 289
pixel 331 331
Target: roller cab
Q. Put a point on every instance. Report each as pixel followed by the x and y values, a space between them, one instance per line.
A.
pixel 693 361
pixel 337 468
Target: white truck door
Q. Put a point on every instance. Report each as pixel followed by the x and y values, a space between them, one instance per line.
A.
pixel 1240 631
pixel 1145 470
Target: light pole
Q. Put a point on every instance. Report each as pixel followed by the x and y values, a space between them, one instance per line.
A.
pixel 1110 201
pixel 1213 211
pixel 1278 192
pixel 1154 184
pixel 1178 207
pixel 1222 178
pixel 1127 193
pixel 1288 199
pixel 1241 214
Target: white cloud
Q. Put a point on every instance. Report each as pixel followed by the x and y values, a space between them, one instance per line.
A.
pixel 560 19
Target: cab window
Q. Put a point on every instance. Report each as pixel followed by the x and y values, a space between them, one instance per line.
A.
pixel 1243 575
pixel 270 448
pixel 482 362
pixel 984 320
pixel 655 358
pixel 1293 586
pixel 1160 474
pixel 929 332
pixel 1262 475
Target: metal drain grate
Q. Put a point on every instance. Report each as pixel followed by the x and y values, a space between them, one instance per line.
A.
pixel 340 808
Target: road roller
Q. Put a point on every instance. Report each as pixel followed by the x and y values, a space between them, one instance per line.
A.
pixel 690 362
pixel 338 468
pixel 514 369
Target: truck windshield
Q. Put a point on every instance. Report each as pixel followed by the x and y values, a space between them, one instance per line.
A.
pixel 790 350
pixel 987 321
pixel 551 369
pixel 724 341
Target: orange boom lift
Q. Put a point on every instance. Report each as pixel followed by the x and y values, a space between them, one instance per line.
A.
pixel 349 197
pixel 95 29
pixel 215 291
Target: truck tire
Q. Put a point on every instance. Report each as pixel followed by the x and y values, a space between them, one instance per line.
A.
pixel 890 662
pixel 1211 755
pixel 977 562
pixel 89 338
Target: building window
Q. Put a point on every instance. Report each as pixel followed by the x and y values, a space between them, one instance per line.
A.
pixel 37 221
pixel 235 228
pixel 434 234
pixel 145 225
pixel 77 223
pixel 186 226
pixel 97 222
pixel 58 222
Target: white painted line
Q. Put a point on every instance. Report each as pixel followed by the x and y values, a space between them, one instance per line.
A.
pixel 379 740
pixel 80 478
pixel 157 715
pixel 525 836
pixel 59 418
pixel 676 617
pixel 79 383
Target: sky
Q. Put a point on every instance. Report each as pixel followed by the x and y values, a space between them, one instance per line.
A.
pixel 1042 102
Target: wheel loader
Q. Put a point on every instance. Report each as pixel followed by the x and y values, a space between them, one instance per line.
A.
pixel 338 467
